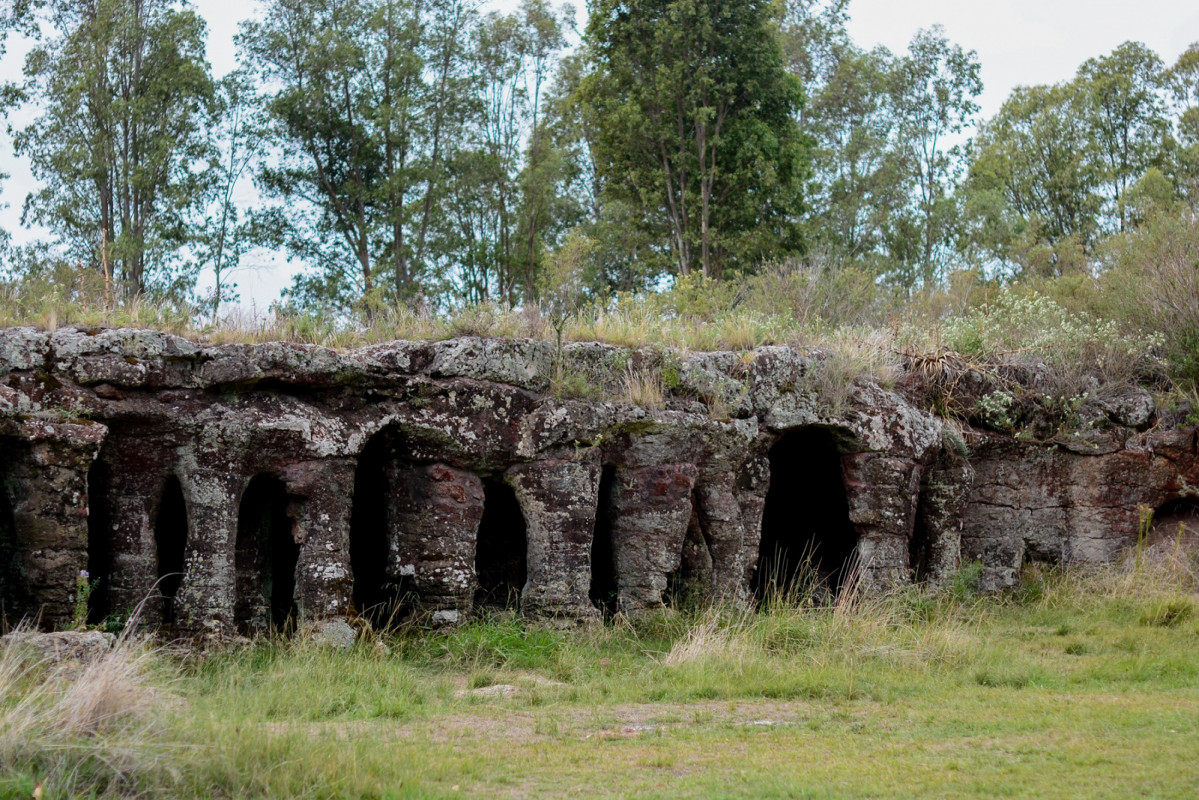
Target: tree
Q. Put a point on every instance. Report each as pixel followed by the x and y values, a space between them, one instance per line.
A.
pixel 1125 116
pixel 227 234
pixel 814 41
pixel 621 254
pixel 120 145
pixel 505 162
pixel 1183 82
pixel 10 18
pixel 695 126
pixel 369 92
pixel 1033 180
pixel 546 38
pixel 931 93
pixel 856 188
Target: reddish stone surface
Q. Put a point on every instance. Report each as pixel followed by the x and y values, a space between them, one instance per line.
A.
pixel 93 427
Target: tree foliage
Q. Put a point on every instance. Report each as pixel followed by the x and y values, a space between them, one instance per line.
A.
pixel 695 128
pixel 120 146
pixel 426 153
pixel 1060 167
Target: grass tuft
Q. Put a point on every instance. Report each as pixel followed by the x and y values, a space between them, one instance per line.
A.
pixel 700 690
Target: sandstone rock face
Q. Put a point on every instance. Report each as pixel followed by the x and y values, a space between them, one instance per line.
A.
pixel 280 485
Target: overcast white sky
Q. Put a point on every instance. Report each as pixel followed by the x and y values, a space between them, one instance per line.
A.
pixel 1019 42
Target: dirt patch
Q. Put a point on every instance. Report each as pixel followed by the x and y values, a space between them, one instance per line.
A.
pixel 493 716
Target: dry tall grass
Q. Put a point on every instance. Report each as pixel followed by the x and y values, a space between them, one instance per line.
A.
pixel 643 388
pixel 80 728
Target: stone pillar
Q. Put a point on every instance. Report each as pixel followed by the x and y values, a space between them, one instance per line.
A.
pixel 204 604
pixel 650 509
pixel 693 579
pixel 734 551
pixel 47 496
pixel 751 488
pixel 136 474
pixel 433 525
pixel 558 499
pixel 321 503
pixel 882 492
pixel 1013 497
pixel 943 495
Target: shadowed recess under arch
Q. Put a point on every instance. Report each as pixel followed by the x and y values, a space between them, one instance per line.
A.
pixel 170 543
pixel 265 558
pixel 808 542
pixel 501 553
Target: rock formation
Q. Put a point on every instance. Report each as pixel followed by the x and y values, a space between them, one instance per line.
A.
pixel 227 488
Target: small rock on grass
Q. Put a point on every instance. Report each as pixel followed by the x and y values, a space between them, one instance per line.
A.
pixel 60 646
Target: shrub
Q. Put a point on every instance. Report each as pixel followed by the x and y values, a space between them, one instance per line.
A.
pixel 1153 282
pixel 1080 353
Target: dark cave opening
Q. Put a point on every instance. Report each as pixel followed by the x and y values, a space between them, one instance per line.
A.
pixel 808 542
pixel 1174 528
pixel 99 542
pixel 368 527
pixel 265 558
pixel 501 552
pixel 603 591
pixel 919 548
pixel 14 599
pixel 378 597
pixel 170 541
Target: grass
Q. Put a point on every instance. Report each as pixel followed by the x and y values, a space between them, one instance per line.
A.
pixel 1073 685
pixel 1013 359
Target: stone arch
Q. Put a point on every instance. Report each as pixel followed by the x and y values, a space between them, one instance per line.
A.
pixel 808 542
pixel 170 544
pixel 502 548
pixel 603 589
pixel 414 529
pixel 265 558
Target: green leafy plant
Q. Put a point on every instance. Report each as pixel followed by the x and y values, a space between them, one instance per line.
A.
pixel 83 592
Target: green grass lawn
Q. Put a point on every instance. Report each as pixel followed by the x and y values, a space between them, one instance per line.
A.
pixel 1074 686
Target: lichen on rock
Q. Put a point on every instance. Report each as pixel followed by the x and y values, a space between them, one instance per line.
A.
pixel 428 478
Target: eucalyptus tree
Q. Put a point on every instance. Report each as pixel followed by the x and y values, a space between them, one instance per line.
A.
pixel 227 233
pixel 814 40
pixel 120 145
pixel 363 99
pixel 932 91
pixel 11 15
pixel 1125 113
pixel 546 31
pixel 483 203
pixel 1034 180
pixel 1183 83
pixel 695 128
pixel 857 184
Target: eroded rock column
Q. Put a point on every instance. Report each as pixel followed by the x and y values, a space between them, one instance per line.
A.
pixel 321 504
pixel 433 524
pixel 650 508
pixel 135 473
pixel 558 499
pixel 882 492
pixel 720 517
pixel 48 500
pixel 205 602
pixel 943 495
